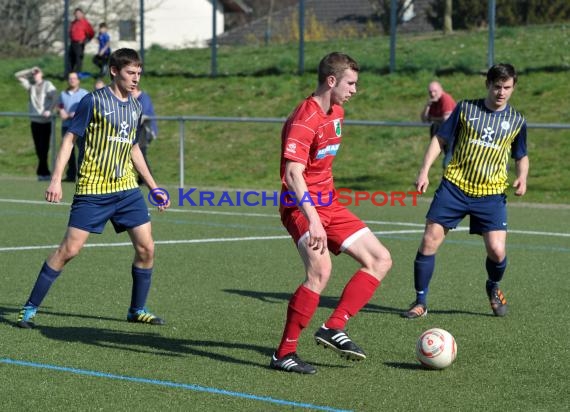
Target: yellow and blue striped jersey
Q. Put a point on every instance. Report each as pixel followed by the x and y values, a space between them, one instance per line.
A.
pixel 481 141
pixel 106 129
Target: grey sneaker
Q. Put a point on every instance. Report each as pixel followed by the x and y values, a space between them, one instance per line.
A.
pixel 417 310
pixel 497 300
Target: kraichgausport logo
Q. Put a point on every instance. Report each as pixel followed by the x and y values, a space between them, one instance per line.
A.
pixel 346 197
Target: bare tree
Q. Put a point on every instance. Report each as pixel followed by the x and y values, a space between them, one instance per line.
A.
pixel 36 26
pixel 382 10
pixel 22 25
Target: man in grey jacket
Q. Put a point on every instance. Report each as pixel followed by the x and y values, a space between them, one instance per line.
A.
pixel 42 103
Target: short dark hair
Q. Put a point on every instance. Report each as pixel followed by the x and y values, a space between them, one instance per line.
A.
pixel 101 25
pixel 334 64
pixel 124 57
pixel 501 71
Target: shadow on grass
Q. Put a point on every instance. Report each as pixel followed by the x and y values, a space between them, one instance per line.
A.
pixel 331 303
pixel 325 302
pixel 12 313
pixel 155 344
pixel 151 343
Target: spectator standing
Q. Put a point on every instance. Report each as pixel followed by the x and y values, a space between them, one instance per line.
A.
pixel 68 101
pixel 43 100
pixel 101 59
pixel 438 108
pixel 80 33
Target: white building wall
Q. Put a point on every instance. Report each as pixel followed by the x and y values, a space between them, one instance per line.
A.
pixel 172 24
pixel 182 24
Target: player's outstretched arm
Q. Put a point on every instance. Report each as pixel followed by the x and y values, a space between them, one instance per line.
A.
pixel 522 166
pixel 432 152
pixel 54 192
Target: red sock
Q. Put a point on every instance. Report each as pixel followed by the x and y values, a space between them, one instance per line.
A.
pixel 302 306
pixel 357 292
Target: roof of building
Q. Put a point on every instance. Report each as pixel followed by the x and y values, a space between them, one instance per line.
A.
pixel 324 19
pixel 235 6
pixel 328 15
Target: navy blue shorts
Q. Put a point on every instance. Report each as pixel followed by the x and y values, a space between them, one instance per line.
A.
pixel 450 205
pixel 126 210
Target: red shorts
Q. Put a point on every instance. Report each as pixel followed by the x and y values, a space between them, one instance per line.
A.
pixel 342 226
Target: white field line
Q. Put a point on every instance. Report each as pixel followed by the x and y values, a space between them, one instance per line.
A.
pixel 184 241
pixel 249 238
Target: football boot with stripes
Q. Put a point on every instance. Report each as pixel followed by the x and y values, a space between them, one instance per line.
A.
pixel 26 317
pixel 339 341
pixel 144 316
pixel 417 310
pixel 291 363
pixel 497 300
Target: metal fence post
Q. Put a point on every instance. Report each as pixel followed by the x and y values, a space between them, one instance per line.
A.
pixel 181 154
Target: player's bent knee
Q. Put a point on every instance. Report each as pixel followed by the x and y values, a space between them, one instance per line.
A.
pixel 497 255
pixel 67 252
pixel 431 243
pixel 145 252
pixel 378 264
pixel 318 278
pixel 382 266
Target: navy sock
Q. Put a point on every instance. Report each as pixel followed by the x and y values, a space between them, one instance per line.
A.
pixel 495 272
pixel 141 286
pixel 46 277
pixel 423 271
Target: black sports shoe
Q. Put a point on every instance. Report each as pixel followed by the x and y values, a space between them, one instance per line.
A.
pixel 339 341
pixel 144 316
pixel 497 300
pixel 291 363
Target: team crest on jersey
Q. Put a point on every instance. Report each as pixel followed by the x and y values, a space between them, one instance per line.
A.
pixel 337 127
pixel 134 114
pixel 488 133
pixel 505 125
pixel 124 129
pixel 292 148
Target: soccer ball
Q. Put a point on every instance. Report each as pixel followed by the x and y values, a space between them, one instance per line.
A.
pixel 436 348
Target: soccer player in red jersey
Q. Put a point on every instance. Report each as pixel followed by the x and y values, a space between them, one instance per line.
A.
pixel 318 223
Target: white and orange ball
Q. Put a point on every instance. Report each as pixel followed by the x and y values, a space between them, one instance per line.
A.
pixel 436 348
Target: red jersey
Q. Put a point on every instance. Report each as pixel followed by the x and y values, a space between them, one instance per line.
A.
pixel 312 137
pixel 445 104
pixel 80 31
